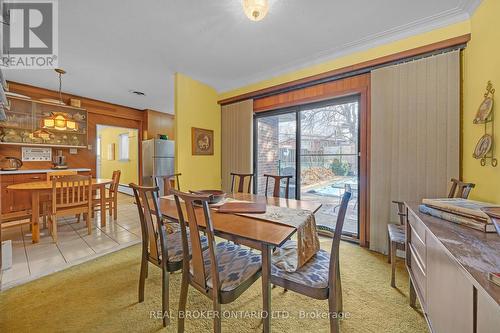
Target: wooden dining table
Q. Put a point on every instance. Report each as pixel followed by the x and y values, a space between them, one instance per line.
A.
pixel 252 232
pixel 36 188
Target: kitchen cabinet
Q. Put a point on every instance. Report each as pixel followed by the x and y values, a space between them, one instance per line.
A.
pixel 34 122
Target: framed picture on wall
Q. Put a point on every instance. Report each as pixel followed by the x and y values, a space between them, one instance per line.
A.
pixel 202 141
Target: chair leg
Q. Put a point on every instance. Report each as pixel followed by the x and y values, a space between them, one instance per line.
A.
pixel 115 208
pixel 217 315
pixel 142 278
pixel 182 302
pixel 110 207
pixel 89 223
pixel 388 248
pixel 78 216
pixel 164 300
pixel 393 264
pixel 54 228
pixel 332 308
pixel 338 292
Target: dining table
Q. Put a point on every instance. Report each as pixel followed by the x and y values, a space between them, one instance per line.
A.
pixel 249 231
pixel 40 187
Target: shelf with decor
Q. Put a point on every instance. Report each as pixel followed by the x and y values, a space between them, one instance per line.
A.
pixel 44 123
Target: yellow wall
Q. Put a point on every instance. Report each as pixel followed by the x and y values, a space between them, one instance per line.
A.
pixel 196 106
pixel 129 168
pixel 481 63
pixel 430 37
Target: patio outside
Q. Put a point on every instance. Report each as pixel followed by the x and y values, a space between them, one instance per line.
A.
pixel 328 157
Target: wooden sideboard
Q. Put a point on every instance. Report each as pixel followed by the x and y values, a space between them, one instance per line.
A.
pixel 448 266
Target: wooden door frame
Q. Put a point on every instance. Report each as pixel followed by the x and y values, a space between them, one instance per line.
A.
pixel 356 85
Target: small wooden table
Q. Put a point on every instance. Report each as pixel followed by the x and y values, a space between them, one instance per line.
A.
pixel 45 186
pixel 254 233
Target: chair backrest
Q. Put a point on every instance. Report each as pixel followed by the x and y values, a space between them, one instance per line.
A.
pixel 277 185
pixel 334 254
pixel 401 211
pixel 116 181
pixel 460 189
pixel 241 181
pixel 167 182
pixel 154 232
pixel 199 275
pixel 71 191
pixel 57 174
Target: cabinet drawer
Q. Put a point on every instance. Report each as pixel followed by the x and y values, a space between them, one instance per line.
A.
pixel 417 226
pixel 30 177
pixel 419 274
pixel 418 246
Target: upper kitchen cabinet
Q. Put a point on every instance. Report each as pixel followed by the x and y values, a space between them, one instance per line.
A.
pixel 31 122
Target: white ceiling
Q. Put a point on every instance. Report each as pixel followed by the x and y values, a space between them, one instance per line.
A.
pixel 109 47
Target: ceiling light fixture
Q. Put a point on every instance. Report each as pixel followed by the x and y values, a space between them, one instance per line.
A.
pixel 255 10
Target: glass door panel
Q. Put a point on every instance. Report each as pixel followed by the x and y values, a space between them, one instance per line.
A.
pixel 329 160
pixel 276 150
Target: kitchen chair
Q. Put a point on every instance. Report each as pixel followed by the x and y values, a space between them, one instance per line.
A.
pixel 319 278
pixel 111 199
pixel 241 181
pixel 277 185
pixel 71 195
pixel 163 250
pixel 45 198
pixel 396 232
pixel 236 267
pixel 167 182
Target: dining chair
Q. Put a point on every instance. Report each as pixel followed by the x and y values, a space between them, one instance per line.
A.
pixel 319 278
pixel 460 189
pixel 396 232
pixel 45 200
pixel 160 248
pixel 236 267
pixel 71 195
pixel 111 196
pixel 277 185
pixel 241 181
pixel 167 182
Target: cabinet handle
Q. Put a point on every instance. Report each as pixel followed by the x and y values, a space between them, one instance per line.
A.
pixel 35 177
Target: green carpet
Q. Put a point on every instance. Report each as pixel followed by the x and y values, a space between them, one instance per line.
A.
pixel 101 296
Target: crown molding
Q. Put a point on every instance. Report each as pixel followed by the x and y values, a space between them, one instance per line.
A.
pixel 440 20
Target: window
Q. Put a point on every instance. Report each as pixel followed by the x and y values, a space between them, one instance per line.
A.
pixel 124 147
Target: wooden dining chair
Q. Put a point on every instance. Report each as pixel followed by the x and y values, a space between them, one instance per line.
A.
pixel 167 182
pixel 460 189
pixel 162 249
pixel 45 200
pixel 319 278
pixel 277 185
pixel 222 272
pixel 241 182
pixel 111 196
pixel 71 195
pixel 396 232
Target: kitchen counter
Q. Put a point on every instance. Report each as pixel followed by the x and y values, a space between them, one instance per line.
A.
pixel 26 171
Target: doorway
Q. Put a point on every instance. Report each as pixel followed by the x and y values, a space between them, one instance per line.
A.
pixel 118 149
pixel 319 145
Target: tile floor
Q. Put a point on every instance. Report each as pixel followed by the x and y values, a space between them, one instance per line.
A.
pixel 31 261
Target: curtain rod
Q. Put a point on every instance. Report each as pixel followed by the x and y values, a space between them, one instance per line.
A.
pixel 362 71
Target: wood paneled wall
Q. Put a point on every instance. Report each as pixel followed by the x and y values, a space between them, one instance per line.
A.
pixel 158 123
pixel 99 112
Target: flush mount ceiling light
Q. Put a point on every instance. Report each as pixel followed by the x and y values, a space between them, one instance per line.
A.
pixel 255 10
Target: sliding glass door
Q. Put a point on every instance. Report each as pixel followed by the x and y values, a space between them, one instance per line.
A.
pixel 319 145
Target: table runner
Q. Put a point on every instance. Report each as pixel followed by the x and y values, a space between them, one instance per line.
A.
pixel 293 254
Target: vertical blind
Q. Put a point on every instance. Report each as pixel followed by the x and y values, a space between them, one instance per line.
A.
pixel 237 140
pixel 415 136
